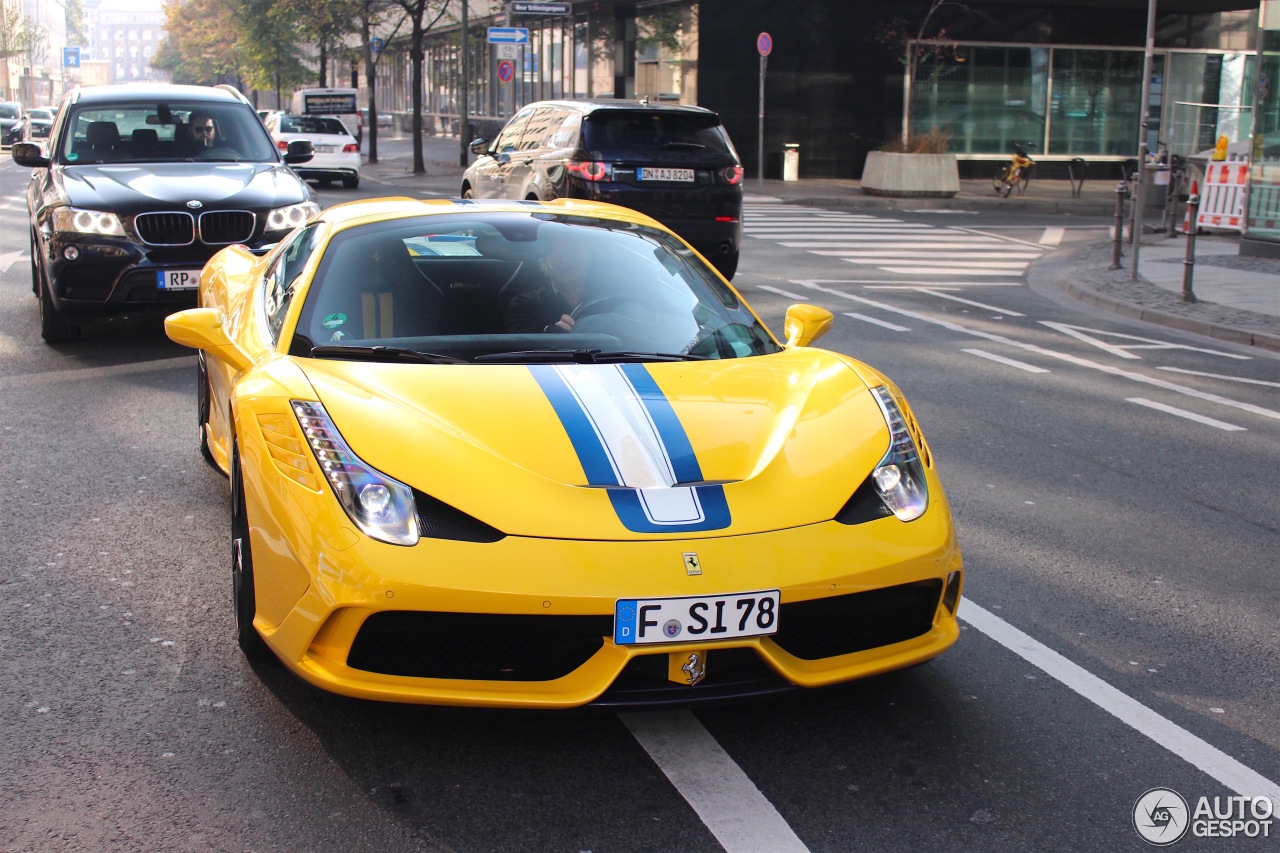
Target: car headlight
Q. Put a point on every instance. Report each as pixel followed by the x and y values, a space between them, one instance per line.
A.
pixel 87 222
pixel 380 506
pixel 288 218
pixel 899 476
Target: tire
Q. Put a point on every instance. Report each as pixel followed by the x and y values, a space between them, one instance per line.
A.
pixel 1008 187
pixel 243 598
pixel 351 182
pixel 325 182
pixel 997 180
pixel 202 411
pixel 467 192
pixel 726 264
pixel 35 270
pixel 54 328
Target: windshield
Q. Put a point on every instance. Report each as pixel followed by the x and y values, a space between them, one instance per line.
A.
pixel 45 115
pixel 625 133
pixel 522 287
pixel 10 111
pixel 150 132
pixel 312 124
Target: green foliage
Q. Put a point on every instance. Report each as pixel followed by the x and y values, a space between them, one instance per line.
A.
pixel 19 35
pixel 77 35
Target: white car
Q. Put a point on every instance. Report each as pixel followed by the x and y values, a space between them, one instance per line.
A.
pixel 337 154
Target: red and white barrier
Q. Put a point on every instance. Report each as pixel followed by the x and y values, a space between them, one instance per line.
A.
pixel 1222 203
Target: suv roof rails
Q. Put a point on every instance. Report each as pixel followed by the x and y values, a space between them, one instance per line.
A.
pixel 234 91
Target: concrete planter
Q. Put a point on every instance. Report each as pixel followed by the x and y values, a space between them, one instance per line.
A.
pixel 910 175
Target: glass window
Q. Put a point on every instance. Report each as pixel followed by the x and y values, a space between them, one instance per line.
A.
pixel 509 138
pixel 540 123
pixel 628 133
pixel 1095 98
pixel 565 133
pixel 985 98
pixel 1263 220
pixel 312 124
pixel 283 277
pixel 151 131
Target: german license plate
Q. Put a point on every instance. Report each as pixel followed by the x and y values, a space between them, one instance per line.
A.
pixel 326 149
pixel 179 279
pixel 679 175
pixel 639 621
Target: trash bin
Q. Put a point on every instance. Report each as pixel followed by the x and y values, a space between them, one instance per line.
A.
pixel 791 161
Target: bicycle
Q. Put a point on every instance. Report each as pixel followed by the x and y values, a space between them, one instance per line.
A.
pixel 1016 173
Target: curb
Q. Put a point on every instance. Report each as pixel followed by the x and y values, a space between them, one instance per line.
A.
pixel 1046 206
pixel 1207 328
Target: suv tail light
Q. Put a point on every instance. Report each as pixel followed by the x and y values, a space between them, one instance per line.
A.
pixel 731 175
pixel 350 149
pixel 589 170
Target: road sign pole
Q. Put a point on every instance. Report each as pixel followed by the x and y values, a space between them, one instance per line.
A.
pixel 462 95
pixel 760 130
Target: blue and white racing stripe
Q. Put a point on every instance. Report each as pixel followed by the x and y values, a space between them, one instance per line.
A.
pixel 630 442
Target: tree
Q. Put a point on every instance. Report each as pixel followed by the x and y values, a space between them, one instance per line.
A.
pixel 77 35
pixel 416 12
pixel 374 15
pixel 270 36
pixel 326 23
pixel 202 44
pixel 912 47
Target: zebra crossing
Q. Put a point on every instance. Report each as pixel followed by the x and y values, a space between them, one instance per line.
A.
pixel 888 244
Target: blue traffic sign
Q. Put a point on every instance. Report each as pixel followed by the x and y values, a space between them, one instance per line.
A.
pixel 376 45
pixel 506 71
pixel 71 57
pixel 508 35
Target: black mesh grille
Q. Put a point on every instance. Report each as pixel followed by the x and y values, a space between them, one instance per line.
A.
pixel 730 674
pixel 438 520
pixel 166 229
pixel 226 226
pixel 844 624
pixel 477 646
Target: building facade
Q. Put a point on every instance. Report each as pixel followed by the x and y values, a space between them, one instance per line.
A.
pixel 125 34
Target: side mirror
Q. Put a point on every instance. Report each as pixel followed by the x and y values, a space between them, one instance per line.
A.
pixel 805 324
pixel 479 147
pixel 201 328
pixel 300 151
pixel 28 154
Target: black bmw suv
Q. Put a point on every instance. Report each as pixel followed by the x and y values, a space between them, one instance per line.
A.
pixel 141 185
pixel 674 163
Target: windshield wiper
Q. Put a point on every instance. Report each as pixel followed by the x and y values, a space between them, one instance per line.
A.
pixel 698 145
pixel 582 356
pixel 381 353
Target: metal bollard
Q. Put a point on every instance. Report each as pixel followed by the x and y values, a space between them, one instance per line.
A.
pixel 1121 191
pixel 1189 264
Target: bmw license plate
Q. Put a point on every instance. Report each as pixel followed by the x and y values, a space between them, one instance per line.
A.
pixel 679 175
pixel 326 149
pixel 178 279
pixel 637 621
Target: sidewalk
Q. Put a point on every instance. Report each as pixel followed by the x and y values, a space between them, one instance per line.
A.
pixel 1238 298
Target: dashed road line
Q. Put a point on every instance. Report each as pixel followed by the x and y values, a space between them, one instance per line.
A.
pixel 876 322
pixel 1221 376
pixel 1183 413
pixel 1021 365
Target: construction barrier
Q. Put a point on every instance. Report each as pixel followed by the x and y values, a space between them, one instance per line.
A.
pixel 1222 202
pixel 1266 198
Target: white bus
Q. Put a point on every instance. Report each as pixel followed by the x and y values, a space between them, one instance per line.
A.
pixel 343 103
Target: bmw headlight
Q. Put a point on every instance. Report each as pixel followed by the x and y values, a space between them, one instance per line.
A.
pixel 87 222
pixel 288 218
pixel 380 506
pixel 899 477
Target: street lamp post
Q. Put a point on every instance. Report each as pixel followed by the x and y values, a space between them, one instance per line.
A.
pixel 464 85
pixel 1144 110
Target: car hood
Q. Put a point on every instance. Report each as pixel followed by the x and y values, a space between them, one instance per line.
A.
pixel 129 188
pixel 617 451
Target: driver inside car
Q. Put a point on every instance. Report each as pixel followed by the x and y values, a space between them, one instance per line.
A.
pixel 203 130
pixel 550 308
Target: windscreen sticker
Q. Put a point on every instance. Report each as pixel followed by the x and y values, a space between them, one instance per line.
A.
pixel 333 321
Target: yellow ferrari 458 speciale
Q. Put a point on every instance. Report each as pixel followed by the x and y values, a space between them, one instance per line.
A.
pixel 543 456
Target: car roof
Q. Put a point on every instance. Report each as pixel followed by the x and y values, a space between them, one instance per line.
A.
pixel 144 92
pixel 591 105
pixel 364 211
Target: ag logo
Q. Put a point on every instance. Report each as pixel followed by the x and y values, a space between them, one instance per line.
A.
pixel 1161 816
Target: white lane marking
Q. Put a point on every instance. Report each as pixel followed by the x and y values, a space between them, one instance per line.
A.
pixel 1203 756
pixel 782 292
pixel 1220 376
pixel 881 284
pixel 991 265
pixel 1061 356
pixel 1122 351
pixel 81 374
pixel 1052 236
pixel 1021 365
pixel 864 318
pixel 729 803
pixel 998 236
pixel 941 295
pixel 1183 413
pixel 985 270
pixel 8 259
pixel 923 253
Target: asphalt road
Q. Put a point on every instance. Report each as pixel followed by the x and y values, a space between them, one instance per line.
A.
pixel 1117 498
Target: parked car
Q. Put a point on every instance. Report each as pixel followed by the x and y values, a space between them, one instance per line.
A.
pixel 654 500
pixel 140 187
pixel 385 119
pixel 337 153
pixel 39 123
pixel 674 163
pixel 12 123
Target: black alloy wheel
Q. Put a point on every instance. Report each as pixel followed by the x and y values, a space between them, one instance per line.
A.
pixel 54 328
pixel 202 410
pixel 468 193
pixel 243 599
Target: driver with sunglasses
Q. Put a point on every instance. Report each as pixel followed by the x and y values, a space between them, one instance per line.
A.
pixel 204 133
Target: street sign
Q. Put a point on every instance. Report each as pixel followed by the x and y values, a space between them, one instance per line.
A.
pixel 520 7
pixel 764 44
pixel 508 35
pixel 507 51
pixel 71 57
pixel 506 70
pixel 375 46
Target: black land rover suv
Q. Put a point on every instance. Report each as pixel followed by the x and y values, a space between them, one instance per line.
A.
pixel 141 186
pixel 674 163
